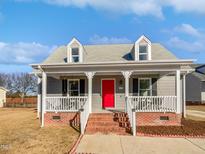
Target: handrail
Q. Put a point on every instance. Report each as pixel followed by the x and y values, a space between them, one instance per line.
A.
pixel 154 103
pixel 131 115
pixel 65 104
pixel 84 115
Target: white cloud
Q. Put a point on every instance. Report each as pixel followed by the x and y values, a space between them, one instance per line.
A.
pixel 138 7
pixel 96 39
pixel 187 29
pixel 196 46
pixel 23 53
pixel 195 6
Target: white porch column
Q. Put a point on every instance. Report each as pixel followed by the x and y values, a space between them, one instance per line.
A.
pixel 90 87
pixel 39 97
pixel 184 96
pixel 178 91
pixel 44 91
pixel 127 75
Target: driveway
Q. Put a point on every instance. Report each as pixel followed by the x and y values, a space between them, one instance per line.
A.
pixel 111 144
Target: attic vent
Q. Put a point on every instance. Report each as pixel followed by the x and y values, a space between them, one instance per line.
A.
pixel 164 117
pixel 56 117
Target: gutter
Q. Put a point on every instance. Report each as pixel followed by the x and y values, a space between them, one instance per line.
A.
pixel 130 63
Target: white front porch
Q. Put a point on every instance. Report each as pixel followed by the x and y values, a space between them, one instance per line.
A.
pixel 132 103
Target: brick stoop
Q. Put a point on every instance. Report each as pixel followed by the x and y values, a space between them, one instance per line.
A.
pixel 108 123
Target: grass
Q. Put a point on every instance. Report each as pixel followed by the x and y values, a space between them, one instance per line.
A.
pixel 196 107
pixel 20 133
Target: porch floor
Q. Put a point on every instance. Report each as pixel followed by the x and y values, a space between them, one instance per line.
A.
pixel 98 110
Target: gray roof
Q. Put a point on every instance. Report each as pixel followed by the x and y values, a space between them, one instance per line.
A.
pixel 199 76
pixel 109 53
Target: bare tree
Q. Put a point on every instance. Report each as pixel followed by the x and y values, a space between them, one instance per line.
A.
pixel 24 84
pixel 19 84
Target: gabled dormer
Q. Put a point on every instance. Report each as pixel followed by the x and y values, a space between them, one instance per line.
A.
pixel 74 51
pixel 142 49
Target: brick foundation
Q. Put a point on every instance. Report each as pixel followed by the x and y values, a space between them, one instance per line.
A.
pixel 65 118
pixel 153 119
pixel 142 119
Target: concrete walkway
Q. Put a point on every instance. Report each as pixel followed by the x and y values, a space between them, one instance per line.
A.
pixel 113 144
pixel 195 113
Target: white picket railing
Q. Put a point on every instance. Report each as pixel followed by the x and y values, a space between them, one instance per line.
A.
pixel 131 115
pixel 65 104
pixel 84 115
pixel 154 103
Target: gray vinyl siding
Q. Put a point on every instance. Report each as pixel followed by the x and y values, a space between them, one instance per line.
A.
pixel 166 86
pixel 54 86
pixel 203 91
pixel 193 88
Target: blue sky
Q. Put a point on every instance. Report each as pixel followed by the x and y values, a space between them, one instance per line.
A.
pixel 31 29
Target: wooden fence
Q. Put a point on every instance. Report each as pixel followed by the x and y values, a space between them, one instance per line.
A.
pixel 28 102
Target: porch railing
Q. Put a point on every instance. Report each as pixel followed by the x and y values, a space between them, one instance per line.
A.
pixel 84 115
pixel 131 115
pixel 65 104
pixel 154 103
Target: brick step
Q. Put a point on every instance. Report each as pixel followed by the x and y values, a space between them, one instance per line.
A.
pixel 102 123
pixel 105 129
pixel 109 132
pixel 106 123
pixel 101 118
pixel 120 115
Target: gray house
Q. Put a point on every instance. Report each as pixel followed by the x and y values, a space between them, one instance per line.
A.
pixel 143 80
pixel 195 85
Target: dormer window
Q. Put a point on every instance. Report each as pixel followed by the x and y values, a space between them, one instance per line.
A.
pixel 75 55
pixel 143 52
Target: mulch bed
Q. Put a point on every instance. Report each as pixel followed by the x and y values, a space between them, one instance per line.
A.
pixel 189 128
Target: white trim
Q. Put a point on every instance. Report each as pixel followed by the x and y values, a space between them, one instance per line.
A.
pixel 68 90
pixel 150 86
pixel 143 37
pixel 178 91
pixel 44 93
pixel 181 61
pixel 114 92
pixel 184 96
pixel 115 71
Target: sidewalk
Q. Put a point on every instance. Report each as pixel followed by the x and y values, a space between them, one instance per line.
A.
pixel 111 144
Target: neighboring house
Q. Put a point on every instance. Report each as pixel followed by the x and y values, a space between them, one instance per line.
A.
pixel 195 85
pixel 143 77
pixel 2 96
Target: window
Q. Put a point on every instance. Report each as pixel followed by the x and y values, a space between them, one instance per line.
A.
pixel 73 87
pixel 145 87
pixel 75 55
pixel 143 52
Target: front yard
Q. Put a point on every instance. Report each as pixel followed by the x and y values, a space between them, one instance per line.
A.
pixel 20 133
pixel 196 107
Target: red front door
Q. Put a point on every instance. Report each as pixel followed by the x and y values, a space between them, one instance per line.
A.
pixel 108 93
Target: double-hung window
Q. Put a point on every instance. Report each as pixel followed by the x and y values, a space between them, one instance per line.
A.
pixel 145 87
pixel 73 87
pixel 75 55
pixel 143 52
